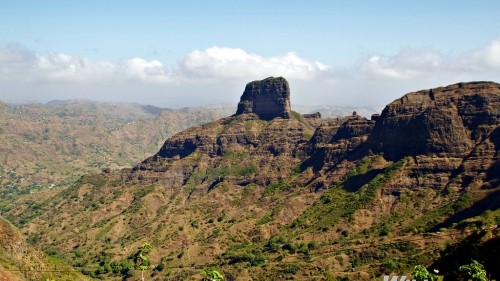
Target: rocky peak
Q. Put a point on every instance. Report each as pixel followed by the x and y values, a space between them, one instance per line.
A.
pixel 268 98
pixel 442 121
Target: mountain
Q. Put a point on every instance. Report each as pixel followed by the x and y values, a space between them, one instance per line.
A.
pixel 47 146
pixel 269 193
pixel 55 143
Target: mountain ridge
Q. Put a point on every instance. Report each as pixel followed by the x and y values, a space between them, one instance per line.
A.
pixel 262 199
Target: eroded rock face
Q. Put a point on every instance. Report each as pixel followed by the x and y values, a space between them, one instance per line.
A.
pixel 240 150
pixel 334 140
pixel 448 121
pixel 268 98
pixel 450 133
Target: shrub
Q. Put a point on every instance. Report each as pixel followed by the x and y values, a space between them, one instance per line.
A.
pixel 421 273
pixel 474 271
pixel 212 275
pixel 291 269
pixel 276 187
pixel 386 229
pixel 312 245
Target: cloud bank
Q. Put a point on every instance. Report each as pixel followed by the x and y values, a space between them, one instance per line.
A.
pixel 410 64
pixel 218 74
pixel 216 63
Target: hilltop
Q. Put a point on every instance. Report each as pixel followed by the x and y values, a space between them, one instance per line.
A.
pixel 269 193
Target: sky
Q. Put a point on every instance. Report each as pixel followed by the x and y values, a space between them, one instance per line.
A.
pixel 196 53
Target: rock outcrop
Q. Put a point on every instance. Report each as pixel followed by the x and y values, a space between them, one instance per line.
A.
pixel 443 121
pixel 337 138
pixel 315 115
pixel 262 135
pixel 451 134
pixel 268 98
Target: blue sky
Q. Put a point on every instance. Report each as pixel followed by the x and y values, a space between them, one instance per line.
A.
pixel 182 53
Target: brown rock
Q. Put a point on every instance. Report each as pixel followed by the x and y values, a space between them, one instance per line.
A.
pixel 447 121
pixel 337 138
pixel 268 98
pixel 316 115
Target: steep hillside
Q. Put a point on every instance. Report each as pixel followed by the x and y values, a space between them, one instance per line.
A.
pixel 270 194
pixel 19 261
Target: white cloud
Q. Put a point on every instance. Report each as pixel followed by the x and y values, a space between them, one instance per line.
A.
pixel 212 63
pixel 218 74
pixel 147 71
pixel 407 64
pixel 14 59
pixel 414 64
pixel 19 64
pixel 489 56
pixel 219 62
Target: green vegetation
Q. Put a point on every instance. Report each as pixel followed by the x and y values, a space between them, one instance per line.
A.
pixel 212 275
pixel 433 218
pixel 279 243
pixel 211 175
pixel 141 257
pixel 57 144
pixel 420 273
pixel 97 180
pixel 299 117
pixel 337 203
pixel 276 187
pixel 263 218
pixel 290 269
pixel 246 253
pixel 269 217
pixel 474 271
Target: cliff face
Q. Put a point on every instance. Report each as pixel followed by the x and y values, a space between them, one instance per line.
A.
pixel 451 132
pixel 260 144
pixel 268 98
pixel 268 150
pixel 443 121
pixel 335 139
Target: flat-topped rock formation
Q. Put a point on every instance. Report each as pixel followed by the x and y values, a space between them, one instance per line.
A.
pixel 268 98
pixel 447 131
pixel 263 133
pixel 442 121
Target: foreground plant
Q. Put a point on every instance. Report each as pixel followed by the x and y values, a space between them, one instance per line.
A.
pixel 141 258
pixel 212 275
pixel 474 271
pixel 420 273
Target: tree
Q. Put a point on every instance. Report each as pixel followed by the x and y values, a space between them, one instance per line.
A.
pixel 212 275
pixel 141 258
pixel 421 273
pixel 474 271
